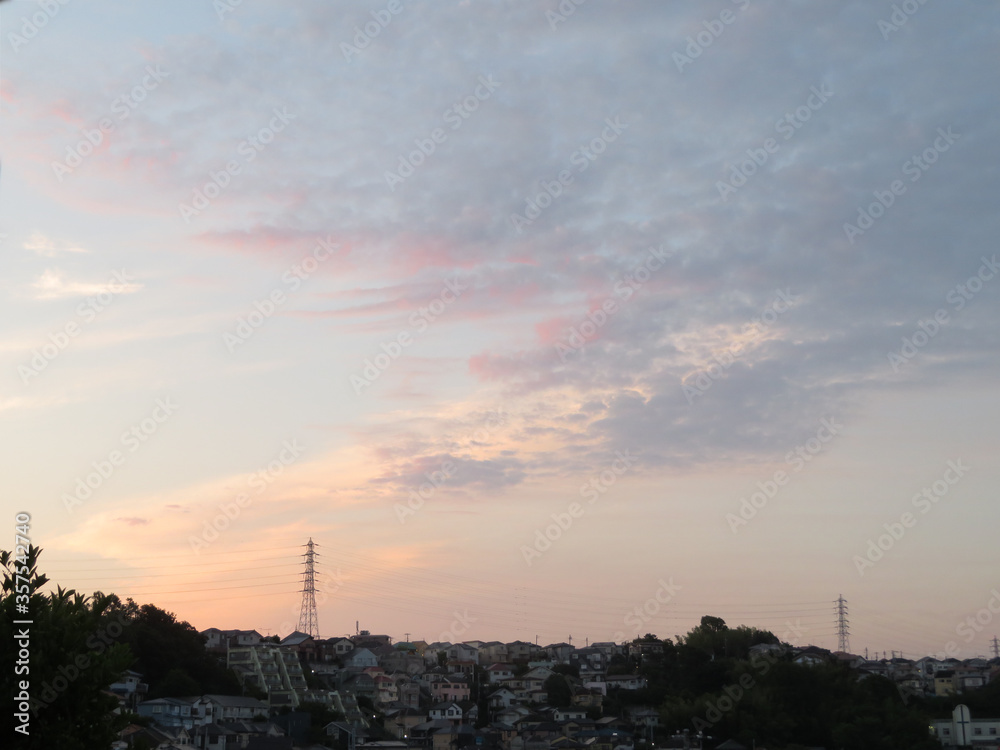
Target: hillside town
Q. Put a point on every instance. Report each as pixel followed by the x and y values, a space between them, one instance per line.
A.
pixel 386 695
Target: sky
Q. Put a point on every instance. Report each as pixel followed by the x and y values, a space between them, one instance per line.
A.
pixel 543 320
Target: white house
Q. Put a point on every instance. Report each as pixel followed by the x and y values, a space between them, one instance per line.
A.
pixel 217 708
pixel 962 730
pixel 448 711
pixel 171 712
pixel 360 658
pixel 498 672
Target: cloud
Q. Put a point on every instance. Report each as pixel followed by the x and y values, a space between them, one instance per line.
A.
pixel 134 521
pixel 53 284
pixel 47 248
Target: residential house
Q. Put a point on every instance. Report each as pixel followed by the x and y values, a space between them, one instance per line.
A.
pixel 644 716
pixel 408 691
pixel 560 652
pixel 449 688
pixel 457 737
pixel 360 685
pixel 539 673
pixel 446 711
pixel 625 681
pixel 230 708
pixel 944 682
pixel 364 639
pixel 461 666
pixel 400 722
pixel 301 643
pixel 332 649
pixel 402 660
pixel 609 648
pixel 811 656
pixel 385 689
pixel 171 712
pixel 360 658
pixel 497 672
pixel 463 652
pixel 520 650
pixel 502 698
pixel 130 689
pixel 221 640
pixel 565 714
pixel 588 697
pixel 493 652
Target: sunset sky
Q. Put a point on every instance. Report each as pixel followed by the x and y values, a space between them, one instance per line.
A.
pixel 511 306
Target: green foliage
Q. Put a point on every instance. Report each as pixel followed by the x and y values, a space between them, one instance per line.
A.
pixel 177 683
pixel 319 716
pixel 570 670
pixel 775 702
pixel 74 657
pixel 559 691
pixel 715 638
pixel 165 647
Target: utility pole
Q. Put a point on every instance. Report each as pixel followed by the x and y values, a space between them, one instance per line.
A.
pixel 308 620
pixel 843 626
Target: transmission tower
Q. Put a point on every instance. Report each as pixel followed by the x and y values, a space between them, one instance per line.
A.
pixel 843 626
pixel 996 648
pixel 308 621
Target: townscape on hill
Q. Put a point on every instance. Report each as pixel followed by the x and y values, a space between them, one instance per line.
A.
pixel 492 695
pixel 112 675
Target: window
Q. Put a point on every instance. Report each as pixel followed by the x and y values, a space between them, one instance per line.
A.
pixel 977 730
